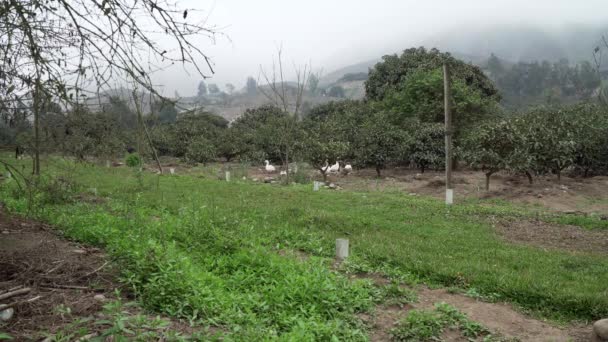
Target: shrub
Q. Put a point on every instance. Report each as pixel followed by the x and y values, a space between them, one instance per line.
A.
pixel 133 160
pixel 200 150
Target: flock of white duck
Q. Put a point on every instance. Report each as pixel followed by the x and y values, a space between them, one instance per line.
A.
pixel 335 168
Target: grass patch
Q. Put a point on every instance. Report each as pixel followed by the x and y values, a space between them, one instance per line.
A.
pixel 427 325
pixel 202 248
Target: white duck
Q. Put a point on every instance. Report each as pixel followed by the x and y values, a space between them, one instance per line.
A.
pixel 348 168
pixel 269 167
pixel 335 167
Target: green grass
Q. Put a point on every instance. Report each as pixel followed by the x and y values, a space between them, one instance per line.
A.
pixel 196 246
pixel 427 325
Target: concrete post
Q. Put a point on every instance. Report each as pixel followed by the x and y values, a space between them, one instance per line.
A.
pixel 341 249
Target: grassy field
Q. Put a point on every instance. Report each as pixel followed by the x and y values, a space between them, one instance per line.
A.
pixel 225 254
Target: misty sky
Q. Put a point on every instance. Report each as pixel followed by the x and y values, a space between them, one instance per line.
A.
pixel 332 34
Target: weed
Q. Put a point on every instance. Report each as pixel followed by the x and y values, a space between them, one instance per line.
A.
pixel 428 325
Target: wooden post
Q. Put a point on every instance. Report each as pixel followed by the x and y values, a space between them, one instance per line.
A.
pixel 227 176
pixel 171 170
pixel 342 249
pixel 447 94
pixel 315 186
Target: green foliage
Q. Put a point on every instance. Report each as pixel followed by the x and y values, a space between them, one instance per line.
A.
pixel 192 226
pixel 268 133
pixel 379 142
pixel 118 111
pixel 116 322
pixel 166 111
pixel 421 97
pixel 175 139
pixel 323 145
pixel 133 160
pixel 200 150
pixel 534 83
pixel 427 148
pixel 392 73
pixel 490 147
pixel 423 325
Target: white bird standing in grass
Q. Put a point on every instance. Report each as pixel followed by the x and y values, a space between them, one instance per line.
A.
pixel 269 168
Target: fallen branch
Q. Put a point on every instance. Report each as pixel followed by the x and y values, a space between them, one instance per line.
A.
pixel 13 289
pixel 95 270
pixel 69 287
pixel 13 304
pixel 15 293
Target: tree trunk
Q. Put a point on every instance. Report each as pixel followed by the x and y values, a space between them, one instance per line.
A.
pixel 378 171
pixel 324 173
pixel 530 179
pixel 36 169
pixel 559 175
pixel 586 173
pixel 286 166
pixel 422 168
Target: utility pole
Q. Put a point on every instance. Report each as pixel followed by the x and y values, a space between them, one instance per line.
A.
pixel 447 95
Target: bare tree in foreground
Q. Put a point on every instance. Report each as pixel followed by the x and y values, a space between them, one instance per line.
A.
pixel 64 50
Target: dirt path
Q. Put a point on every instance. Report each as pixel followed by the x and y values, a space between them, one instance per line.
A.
pixel 500 318
pixel 67 280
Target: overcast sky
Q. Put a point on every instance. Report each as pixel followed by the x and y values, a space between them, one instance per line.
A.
pixel 334 33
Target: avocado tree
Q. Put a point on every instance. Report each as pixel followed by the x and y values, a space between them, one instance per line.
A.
pixel 322 145
pixel 426 148
pixel 378 142
pixel 550 139
pixel 489 147
pixel 392 73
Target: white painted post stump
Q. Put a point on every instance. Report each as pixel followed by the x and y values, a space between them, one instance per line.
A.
pixel 315 186
pixel 227 176
pixel 449 196
pixel 341 249
pixel 107 163
pixel 8 175
pixel 172 171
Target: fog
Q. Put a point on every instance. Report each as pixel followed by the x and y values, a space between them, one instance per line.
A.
pixel 333 34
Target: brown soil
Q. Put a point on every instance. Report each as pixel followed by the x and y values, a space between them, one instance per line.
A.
pixel 59 272
pixel 546 235
pixel 501 319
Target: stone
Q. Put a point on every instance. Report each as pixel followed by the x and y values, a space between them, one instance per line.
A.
pixel 79 251
pixel 412 194
pixel 5 232
pixel 244 178
pixel 6 315
pixel 255 180
pixel 539 196
pixel 332 186
pixel 268 180
pixel 563 187
pixel 99 298
pixel 600 328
